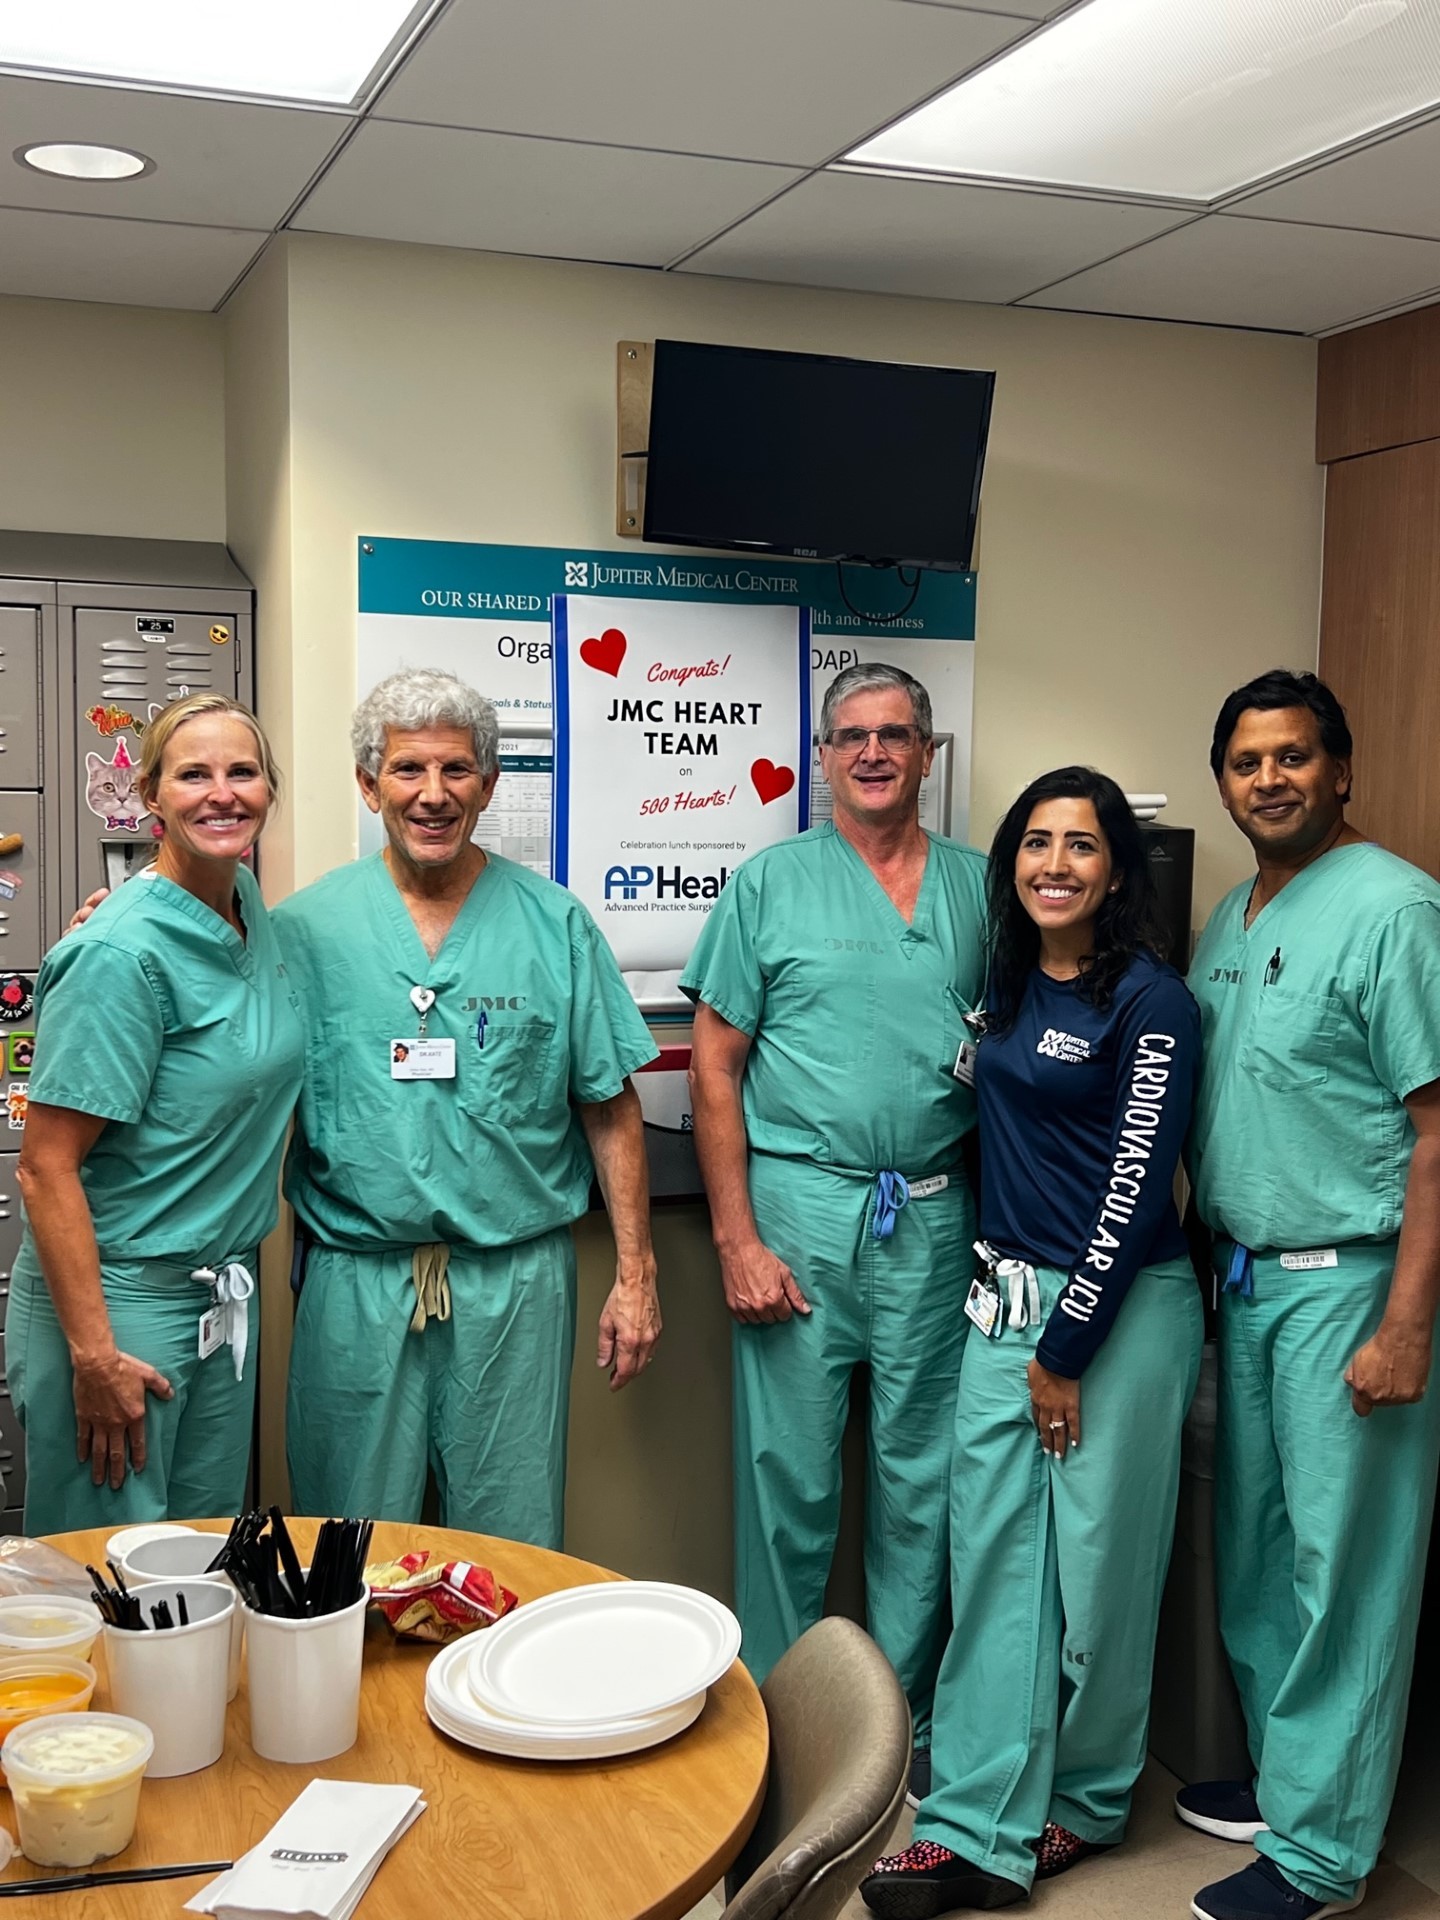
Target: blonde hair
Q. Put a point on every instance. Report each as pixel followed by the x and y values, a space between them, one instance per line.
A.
pixel 163 728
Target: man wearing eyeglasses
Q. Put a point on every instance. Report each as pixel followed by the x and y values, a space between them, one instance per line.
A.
pixel 832 982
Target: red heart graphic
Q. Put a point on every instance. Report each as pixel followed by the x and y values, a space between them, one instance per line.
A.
pixel 771 782
pixel 606 653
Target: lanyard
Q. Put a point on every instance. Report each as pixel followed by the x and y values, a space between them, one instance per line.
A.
pixel 230 1289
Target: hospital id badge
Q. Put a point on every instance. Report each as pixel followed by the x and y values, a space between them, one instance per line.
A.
pixel 982 1306
pixel 964 1067
pixel 212 1331
pixel 422 1059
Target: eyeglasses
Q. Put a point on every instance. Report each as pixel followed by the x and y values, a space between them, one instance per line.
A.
pixel 854 740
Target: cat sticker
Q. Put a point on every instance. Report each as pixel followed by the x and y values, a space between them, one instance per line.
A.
pixel 112 789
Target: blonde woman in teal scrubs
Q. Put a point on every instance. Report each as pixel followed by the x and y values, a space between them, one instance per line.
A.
pixel 167 1062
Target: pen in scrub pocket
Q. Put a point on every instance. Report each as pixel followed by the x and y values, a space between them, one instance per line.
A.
pixel 1272 972
pixel 480 1026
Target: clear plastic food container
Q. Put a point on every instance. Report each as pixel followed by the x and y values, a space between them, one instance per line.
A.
pixel 57 1625
pixel 32 1684
pixel 75 1779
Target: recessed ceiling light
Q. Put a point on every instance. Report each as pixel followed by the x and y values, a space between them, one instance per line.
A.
pixel 74 160
pixel 323 51
pixel 1178 98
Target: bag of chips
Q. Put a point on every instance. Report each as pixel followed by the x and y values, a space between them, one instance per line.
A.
pixel 436 1600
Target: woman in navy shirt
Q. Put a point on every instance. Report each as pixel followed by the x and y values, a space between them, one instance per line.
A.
pixel 1079 1365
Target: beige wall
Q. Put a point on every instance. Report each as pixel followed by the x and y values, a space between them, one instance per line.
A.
pixel 1152 507
pixel 1151 538
pixel 111 421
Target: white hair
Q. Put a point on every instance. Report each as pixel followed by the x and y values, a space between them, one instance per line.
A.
pixel 868 677
pixel 418 698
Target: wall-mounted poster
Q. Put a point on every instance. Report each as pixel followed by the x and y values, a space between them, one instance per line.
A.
pixel 682 745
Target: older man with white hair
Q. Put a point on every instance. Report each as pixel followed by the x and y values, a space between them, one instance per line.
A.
pixel 470 1047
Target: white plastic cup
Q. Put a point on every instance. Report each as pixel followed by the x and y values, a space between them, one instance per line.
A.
pixel 185 1556
pixel 305 1682
pixel 72 1810
pixel 174 1679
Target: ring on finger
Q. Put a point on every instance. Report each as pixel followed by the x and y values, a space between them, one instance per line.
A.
pixel 1058 1423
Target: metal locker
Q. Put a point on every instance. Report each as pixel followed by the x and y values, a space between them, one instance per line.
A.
pixel 24 878
pixel 19 696
pixel 12 1437
pixel 11 1227
pixel 128 665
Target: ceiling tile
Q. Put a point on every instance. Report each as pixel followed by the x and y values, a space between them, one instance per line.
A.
pixel 1025 9
pixel 931 237
pixel 1255 273
pixel 63 256
pixel 1388 188
pixel 504 194
pixel 752 80
pixel 217 162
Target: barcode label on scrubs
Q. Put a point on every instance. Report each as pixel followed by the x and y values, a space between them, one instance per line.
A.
pixel 922 1189
pixel 1312 1258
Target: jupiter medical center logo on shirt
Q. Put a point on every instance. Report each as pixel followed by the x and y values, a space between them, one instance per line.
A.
pixel 1068 1047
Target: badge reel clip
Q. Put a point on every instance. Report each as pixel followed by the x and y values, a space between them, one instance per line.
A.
pixel 417 1057
pixel 964 1068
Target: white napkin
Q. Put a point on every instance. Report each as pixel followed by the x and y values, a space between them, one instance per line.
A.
pixel 319 1857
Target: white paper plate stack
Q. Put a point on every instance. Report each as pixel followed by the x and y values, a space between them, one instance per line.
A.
pixel 584 1674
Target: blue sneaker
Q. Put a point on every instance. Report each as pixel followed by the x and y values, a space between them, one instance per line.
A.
pixel 1226 1808
pixel 1261 1892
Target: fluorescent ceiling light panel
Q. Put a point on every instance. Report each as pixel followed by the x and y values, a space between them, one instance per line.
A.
pixel 1186 99
pixel 321 51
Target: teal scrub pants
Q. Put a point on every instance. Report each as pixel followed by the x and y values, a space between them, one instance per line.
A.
pixel 483 1398
pixel 1322 1523
pixel 1044 1694
pixel 198 1443
pixel 898 1304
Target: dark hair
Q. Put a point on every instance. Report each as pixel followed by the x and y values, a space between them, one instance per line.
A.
pixel 1128 922
pixel 1271 693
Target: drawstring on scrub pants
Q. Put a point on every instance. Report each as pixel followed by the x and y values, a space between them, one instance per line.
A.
pixel 1241 1277
pixel 430 1271
pixel 231 1287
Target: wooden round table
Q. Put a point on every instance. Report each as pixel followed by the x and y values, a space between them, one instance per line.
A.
pixel 642 1837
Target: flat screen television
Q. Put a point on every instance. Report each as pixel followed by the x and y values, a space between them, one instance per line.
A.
pixel 823 458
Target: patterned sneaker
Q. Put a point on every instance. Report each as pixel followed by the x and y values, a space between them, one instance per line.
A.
pixel 1226 1808
pixel 1057 1850
pixel 1261 1892
pixel 926 1880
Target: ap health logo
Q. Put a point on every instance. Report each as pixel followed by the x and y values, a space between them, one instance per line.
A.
pixel 668 883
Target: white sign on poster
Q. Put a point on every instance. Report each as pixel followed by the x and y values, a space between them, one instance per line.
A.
pixel 682 742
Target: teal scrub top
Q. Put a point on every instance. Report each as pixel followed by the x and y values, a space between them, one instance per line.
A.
pixel 1317 1020
pixel 158 1017
pixel 530 994
pixel 855 1018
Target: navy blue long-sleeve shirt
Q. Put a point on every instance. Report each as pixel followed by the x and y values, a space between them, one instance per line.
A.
pixel 1082 1117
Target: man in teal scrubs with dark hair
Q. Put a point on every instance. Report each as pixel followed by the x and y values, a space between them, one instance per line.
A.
pixel 1315 1156
pixel 832 982
pixel 470 1046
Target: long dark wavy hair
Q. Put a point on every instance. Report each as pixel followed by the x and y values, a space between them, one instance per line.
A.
pixel 1128 923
